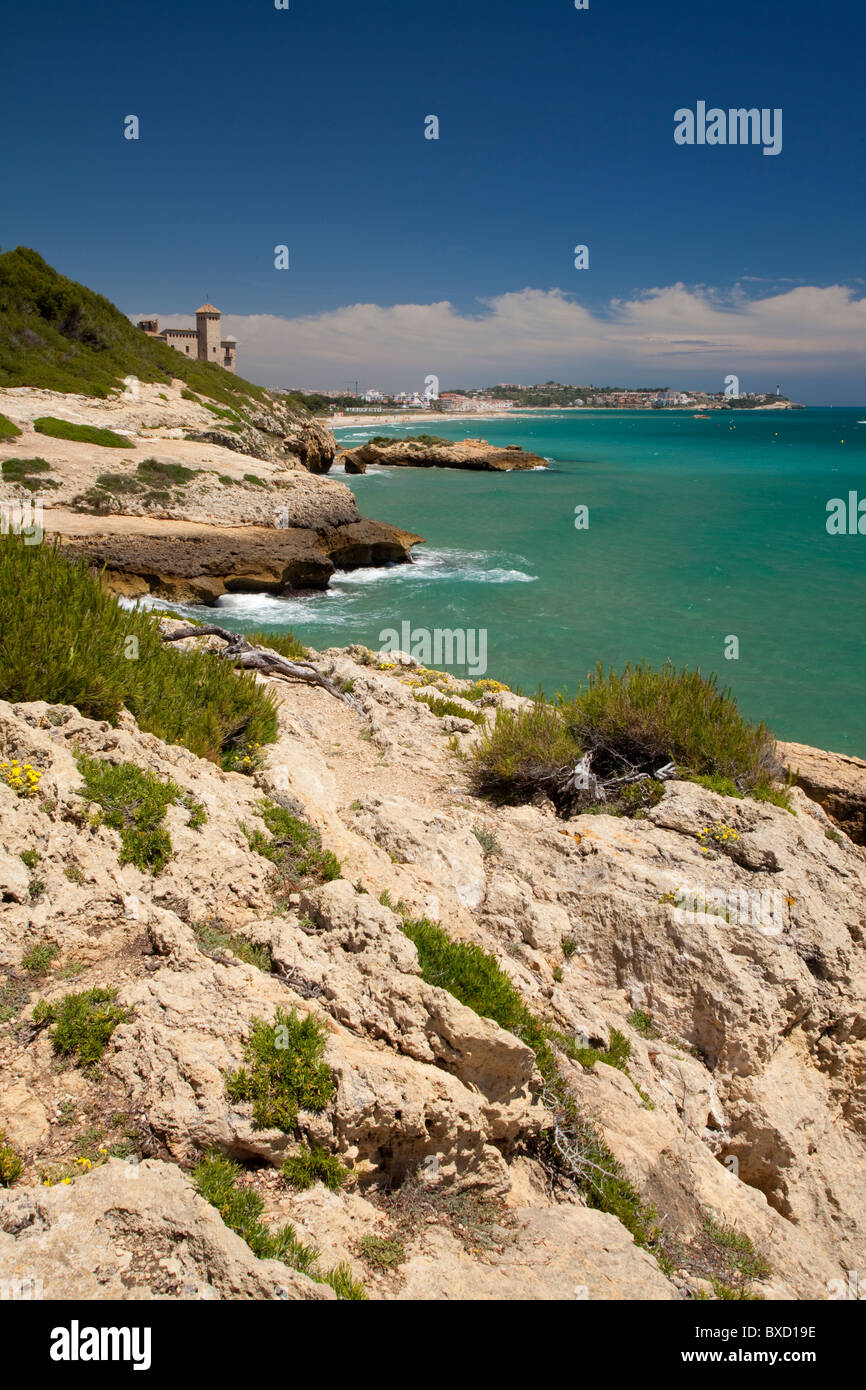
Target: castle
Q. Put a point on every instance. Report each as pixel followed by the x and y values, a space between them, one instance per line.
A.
pixel 202 342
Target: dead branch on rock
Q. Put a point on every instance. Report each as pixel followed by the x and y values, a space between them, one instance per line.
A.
pixel 257 658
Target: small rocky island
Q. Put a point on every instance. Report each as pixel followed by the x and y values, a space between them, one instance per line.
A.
pixel 429 451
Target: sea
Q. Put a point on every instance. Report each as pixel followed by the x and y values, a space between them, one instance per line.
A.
pixel 647 535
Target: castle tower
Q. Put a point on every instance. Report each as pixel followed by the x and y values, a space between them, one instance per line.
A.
pixel 207 320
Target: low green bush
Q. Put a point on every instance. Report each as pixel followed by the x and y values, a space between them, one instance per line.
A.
pixel 28 473
pixel 83 434
pixel 574 1148
pixel 217 1180
pixel 8 430
pixel 616 1055
pixel 382 1252
pixel 83 1023
pixel 294 847
pixel 153 473
pixel 442 707
pixel 134 803
pixel 631 725
pixel 38 957
pixel 284 1072
pixel 642 1022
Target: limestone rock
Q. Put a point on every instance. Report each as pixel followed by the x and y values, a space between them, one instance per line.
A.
pixel 133 1231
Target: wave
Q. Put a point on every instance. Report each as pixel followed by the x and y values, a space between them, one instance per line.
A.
pixel 343 603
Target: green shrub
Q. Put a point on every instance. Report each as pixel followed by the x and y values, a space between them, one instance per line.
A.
pixel 630 724
pixel 522 752
pixel 254 480
pixel 134 802
pixel 83 434
pixel 11 1166
pixel 285 1071
pixel 65 640
pixel 28 473
pixel 648 717
pixel 152 483
pixel 311 1165
pixel 156 474
pixel 221 411
pixel 8 430
pixel 487 840
pixel 83 1023
pixel 294 847
pixel 344 1283
pixel 217 1180
pixel 616 1055
pixel 473 977
pixel 736 1251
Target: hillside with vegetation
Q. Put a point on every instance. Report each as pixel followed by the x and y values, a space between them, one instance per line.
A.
pixel 61 336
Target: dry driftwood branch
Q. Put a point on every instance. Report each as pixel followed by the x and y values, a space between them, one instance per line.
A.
pixel 242 653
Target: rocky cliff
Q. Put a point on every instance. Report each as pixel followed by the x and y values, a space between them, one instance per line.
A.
pixel 237 484
pixel 720 1054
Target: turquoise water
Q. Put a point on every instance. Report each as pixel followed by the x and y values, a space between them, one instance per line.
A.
pixel 698 530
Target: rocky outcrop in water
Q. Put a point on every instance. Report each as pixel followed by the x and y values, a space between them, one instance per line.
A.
pixel 429 452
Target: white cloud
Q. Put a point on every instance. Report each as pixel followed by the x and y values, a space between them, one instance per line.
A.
pixel 674 334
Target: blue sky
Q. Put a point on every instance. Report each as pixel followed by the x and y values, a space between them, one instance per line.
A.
pixel 306 127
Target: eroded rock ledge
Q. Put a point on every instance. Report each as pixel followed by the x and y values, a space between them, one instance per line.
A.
pixel 190 562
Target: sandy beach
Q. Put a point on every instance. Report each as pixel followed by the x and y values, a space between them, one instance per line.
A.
pixel 431 418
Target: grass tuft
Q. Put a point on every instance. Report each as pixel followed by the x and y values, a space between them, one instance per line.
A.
pixel 8 429
pixel 311 1165
pixel 217 1180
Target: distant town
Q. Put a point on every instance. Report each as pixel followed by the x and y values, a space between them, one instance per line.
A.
pixel 555 395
